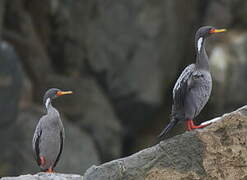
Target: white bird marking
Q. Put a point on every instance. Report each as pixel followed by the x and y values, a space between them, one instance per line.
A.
pixel 48 100
pixel 199 43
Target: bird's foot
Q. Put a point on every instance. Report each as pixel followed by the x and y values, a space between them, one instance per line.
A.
pixel 190 125
pixel 50 170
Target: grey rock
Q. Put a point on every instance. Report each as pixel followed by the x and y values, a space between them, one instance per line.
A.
pixel 192 155
pixel 46 176
pixel 171 153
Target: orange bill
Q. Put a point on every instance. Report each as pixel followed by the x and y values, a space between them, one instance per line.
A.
pixel 217 30
pixel 60 93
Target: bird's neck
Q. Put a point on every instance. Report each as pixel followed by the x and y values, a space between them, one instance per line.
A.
pixel 48 104
pixel 201 55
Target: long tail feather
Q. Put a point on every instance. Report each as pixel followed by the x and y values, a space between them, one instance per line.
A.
pixel 172 123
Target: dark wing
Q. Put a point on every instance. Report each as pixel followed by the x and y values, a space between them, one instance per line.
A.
pixel 180 90
pixel 36 142
pixel 61 147
pixel 183 85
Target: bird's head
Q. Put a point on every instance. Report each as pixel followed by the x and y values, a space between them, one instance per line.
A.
pixel 204 32
pixel 52 94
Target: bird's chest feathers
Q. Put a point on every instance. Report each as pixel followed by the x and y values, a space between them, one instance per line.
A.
pixel 53 118
pixel 200 83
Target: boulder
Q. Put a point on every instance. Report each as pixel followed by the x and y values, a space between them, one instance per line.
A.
pixel 216 152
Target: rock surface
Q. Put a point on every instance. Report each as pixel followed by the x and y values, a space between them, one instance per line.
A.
pixel 216 152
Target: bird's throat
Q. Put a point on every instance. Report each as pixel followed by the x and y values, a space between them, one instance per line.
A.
pixel 202 58
pixel 47 103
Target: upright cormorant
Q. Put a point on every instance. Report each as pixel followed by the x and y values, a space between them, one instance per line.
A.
pixel 193 87
pixel 49 136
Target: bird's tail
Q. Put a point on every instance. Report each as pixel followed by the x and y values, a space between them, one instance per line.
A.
pixel 172 123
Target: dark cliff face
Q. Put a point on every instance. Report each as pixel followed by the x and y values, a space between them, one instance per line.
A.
pixel 121 58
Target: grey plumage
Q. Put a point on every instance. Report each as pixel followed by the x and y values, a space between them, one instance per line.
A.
pixel 193 87
pixel 49 135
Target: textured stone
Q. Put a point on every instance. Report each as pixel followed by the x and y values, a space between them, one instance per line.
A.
pixel 216 152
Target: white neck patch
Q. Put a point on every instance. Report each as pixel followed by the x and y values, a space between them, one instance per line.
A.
pixel 48 100
pixel 199 43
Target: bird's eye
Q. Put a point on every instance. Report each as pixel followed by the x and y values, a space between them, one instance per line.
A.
pixel 211 31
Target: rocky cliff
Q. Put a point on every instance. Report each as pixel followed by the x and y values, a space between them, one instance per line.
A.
pixel 216 152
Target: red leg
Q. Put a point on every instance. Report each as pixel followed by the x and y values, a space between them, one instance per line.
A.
pixel 190 125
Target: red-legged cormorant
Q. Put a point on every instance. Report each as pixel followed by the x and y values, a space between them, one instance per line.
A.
pixel 193 87
pixel 49 135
